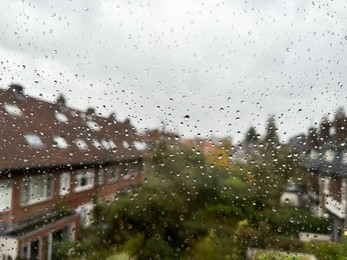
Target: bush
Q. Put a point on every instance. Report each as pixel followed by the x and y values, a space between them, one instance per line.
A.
pixel 325 250
pixel 291 221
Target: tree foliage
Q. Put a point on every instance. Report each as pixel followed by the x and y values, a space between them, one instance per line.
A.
pixel 271 137
pixel 191 208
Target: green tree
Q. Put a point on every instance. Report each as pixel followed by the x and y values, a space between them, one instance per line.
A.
pixel 251 136
pixel 271 138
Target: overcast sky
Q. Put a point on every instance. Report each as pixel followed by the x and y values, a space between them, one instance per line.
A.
pixel 225 64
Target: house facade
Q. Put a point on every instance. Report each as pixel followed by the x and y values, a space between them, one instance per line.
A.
pixel 324 156
pixel 56 163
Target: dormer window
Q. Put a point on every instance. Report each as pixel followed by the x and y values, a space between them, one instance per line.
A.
pixel 105 144
pixel 13 110
pixel 125 144
pixel 96 144
pixel 112 144
pixel 93 125
pixel 61 117
pixel 344 156
pixel 60 142
pixel 313 153
pixel 33 140
pixel 329 155
pixel 142 146
pixel 81 144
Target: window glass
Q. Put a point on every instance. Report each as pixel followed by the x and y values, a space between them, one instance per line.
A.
pixel 61 117
pixel 13 110
pixel 329 155
pixel 84 180
pixel 5 195
pixel 101 176
pixel 64 183
pixel 93 125
pixel 36 189
pixel 60 142
pixel 33 140
pixel 113 173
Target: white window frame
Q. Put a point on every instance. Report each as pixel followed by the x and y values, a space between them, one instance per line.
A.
pixel 31 184
pixel 101 176
pixel 126 175
pixel 84 175
pixel 65 183
pixel 113 170
pixel 85 212
pixel 6 190
pixel 329 155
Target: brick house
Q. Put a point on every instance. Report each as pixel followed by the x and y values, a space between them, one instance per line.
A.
pixel 324 156
pixel 56 162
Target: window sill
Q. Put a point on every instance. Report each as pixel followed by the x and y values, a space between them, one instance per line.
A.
pixel 80 189
pixel 36 201
pixel 113 180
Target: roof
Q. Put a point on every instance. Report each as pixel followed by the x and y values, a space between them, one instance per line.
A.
pixel 36 133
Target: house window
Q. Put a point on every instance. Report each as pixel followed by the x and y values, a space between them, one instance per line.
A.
pixel 93 125
pixel 13 110
pixel 33 140
pixel 36 189
pixel 126 172
pixel 84 180
pixel 61 117
pixel 81 144
pixel 344 156
pixel 112 144
pixel 125 144
pixel 64 183
pixel 113 173
pixel 101 176
pixel 96 144
pixel 85 212
pixel 105 144
pixel 314 154
pixel 60 142
pixel 5 195
pixel 329 155
pixel 141 146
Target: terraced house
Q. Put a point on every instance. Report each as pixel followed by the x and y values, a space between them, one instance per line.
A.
pixel 56 163
pixel 324 155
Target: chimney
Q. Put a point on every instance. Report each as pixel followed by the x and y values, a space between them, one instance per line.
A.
pixel 90 111
pixel 312 138
pixel 127 121
pixel 113 117
pixel 340 124
pixel 61 100
pixel 324 132
pixel 16 89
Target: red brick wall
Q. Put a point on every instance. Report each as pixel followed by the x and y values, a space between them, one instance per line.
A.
pixel 335 188
pixel 313 182
pixel 70 201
